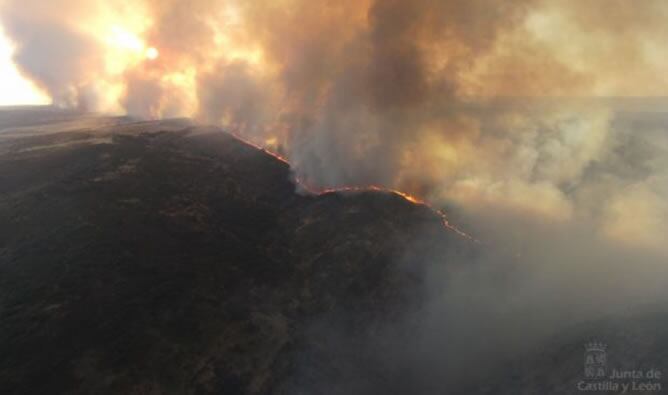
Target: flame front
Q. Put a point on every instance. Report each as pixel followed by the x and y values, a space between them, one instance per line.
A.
pixel 354 189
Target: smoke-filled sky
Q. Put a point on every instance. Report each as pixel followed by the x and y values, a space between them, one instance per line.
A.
pixel 411 95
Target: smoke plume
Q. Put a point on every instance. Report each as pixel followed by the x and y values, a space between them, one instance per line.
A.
pixel 401 94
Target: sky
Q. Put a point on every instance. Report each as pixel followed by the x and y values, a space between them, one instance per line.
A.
pixel 16 89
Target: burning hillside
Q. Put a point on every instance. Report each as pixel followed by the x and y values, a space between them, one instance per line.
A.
pixel 162 255
pixel 359 189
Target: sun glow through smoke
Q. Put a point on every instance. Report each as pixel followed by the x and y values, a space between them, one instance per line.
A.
pixel 152 53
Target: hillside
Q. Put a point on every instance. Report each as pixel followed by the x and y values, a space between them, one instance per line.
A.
pixel 165 257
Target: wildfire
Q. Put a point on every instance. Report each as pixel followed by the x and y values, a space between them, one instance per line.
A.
pixel 408 197
pixel 257 146
pixel 352 189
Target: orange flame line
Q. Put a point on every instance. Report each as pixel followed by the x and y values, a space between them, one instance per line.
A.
pixel 258 147
pixel 408 197
pixel 375 188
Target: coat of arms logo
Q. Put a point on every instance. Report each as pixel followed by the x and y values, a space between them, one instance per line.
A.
pixel 595 360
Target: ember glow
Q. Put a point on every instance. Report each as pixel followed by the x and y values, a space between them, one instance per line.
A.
pixel 359 189
pixel 405 196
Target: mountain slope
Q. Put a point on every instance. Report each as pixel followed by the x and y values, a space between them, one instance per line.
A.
pixel 164 257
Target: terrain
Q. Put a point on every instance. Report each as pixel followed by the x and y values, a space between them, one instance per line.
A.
pixel 166 257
